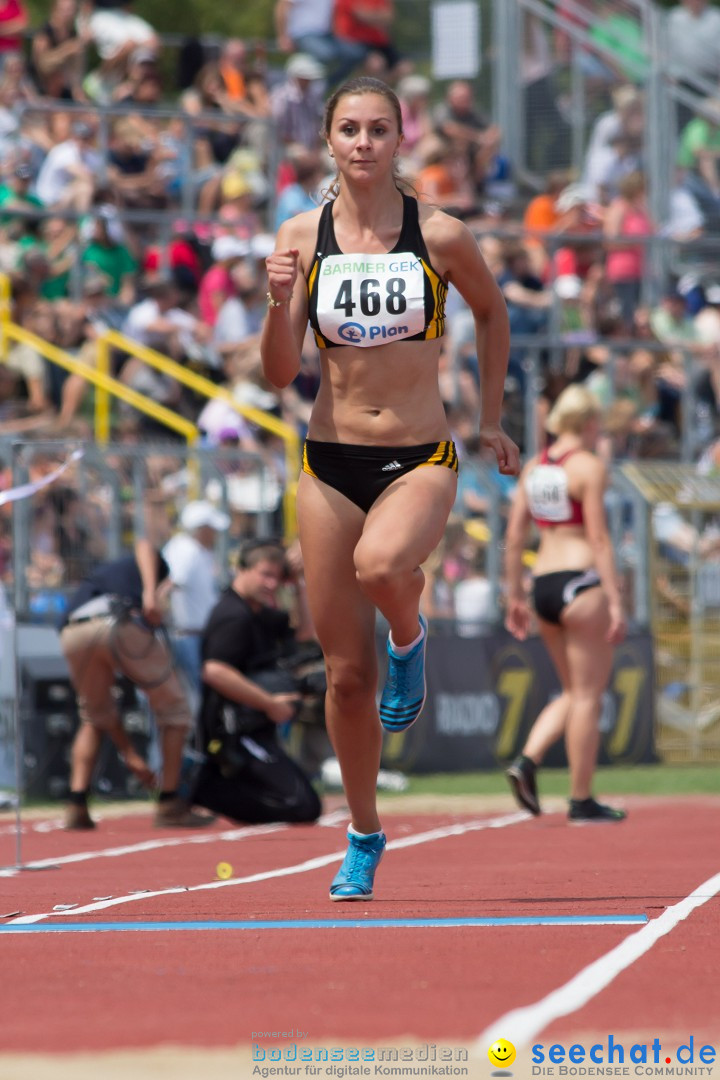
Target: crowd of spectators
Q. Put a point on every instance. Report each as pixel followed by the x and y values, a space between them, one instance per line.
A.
pixel 140 192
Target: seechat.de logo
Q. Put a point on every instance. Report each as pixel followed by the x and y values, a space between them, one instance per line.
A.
pixel 644 1056
pixel 351 331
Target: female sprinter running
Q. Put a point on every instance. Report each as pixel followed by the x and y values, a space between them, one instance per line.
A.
pixel 370 270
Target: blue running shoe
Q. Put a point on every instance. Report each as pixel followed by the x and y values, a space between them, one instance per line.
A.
pixel 354 879
pixel 404 693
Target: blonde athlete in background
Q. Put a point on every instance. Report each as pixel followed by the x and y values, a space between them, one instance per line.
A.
pixel 370 271
pixel 575 595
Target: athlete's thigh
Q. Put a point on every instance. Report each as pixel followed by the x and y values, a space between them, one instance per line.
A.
pixel 330 526
pixel 589 655
pixel 555 641
pixel 410 516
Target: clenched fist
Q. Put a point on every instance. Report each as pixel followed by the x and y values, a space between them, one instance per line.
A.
pixel 282 271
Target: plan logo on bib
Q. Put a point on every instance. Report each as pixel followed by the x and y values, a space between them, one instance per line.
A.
pixel 351 332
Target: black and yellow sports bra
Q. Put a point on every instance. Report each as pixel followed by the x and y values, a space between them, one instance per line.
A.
pixel 367 300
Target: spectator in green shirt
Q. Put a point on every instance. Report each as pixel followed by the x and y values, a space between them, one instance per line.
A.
pixel 55 242
pixel 107 252
pixel 15 194
pixel 620 36
pixel 670 321
pixel 59 238
pixel 699 149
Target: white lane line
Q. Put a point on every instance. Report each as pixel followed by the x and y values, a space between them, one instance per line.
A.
pixel 286 871
pixel 337 817
pixel 50 825
pixel 521 1026
pixel 57 824
pixel 145 845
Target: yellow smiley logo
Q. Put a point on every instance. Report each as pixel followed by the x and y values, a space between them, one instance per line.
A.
pixel 501 1053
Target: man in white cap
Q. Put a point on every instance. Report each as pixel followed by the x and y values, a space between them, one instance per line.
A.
pixel 297 103
pixel 194 576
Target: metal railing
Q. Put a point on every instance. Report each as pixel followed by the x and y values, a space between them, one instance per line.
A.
pixel 192 122
pixel 693 436
pixel 107 386
pixel 122 491
pixel 109 495
pixel 678 511
pixel 567 96
pixel 103 382
pixel 204 387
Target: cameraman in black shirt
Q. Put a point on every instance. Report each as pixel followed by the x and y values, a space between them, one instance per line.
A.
pixel 248 692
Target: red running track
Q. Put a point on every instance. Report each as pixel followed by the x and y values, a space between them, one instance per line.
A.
pixel 357 986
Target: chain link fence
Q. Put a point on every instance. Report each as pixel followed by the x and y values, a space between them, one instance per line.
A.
pixel 580 63
pixel 682 520
pixel 54 535
pixel 664 523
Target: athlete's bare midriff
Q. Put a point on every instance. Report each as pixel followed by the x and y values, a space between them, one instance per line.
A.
pixel 566 546
pixel 563 547
pixel 384 396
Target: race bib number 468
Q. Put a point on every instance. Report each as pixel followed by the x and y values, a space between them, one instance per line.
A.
pixel 369 299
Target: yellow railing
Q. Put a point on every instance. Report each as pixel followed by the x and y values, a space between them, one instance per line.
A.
pixel 4 299
pixel 103 382
pixel 105 385
pixel 206 389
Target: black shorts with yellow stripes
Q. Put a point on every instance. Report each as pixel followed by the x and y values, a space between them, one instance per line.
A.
pixel 361 473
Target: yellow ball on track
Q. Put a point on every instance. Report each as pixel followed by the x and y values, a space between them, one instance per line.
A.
pixel 224 870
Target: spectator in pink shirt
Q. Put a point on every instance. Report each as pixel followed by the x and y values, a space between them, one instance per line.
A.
pixel 217 284
pixel 627 216
pixel 414 94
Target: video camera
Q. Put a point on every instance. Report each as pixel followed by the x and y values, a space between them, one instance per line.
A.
pixel 306 665
pixel 300 672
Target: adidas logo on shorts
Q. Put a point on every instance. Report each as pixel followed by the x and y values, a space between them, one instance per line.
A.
pixel 391 466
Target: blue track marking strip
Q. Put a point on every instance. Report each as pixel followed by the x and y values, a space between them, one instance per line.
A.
pixel 324 924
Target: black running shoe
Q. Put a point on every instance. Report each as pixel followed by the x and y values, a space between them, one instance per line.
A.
pixel 584 811
pixel 521 775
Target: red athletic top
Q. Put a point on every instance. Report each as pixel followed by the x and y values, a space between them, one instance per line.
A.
pixel 547 492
